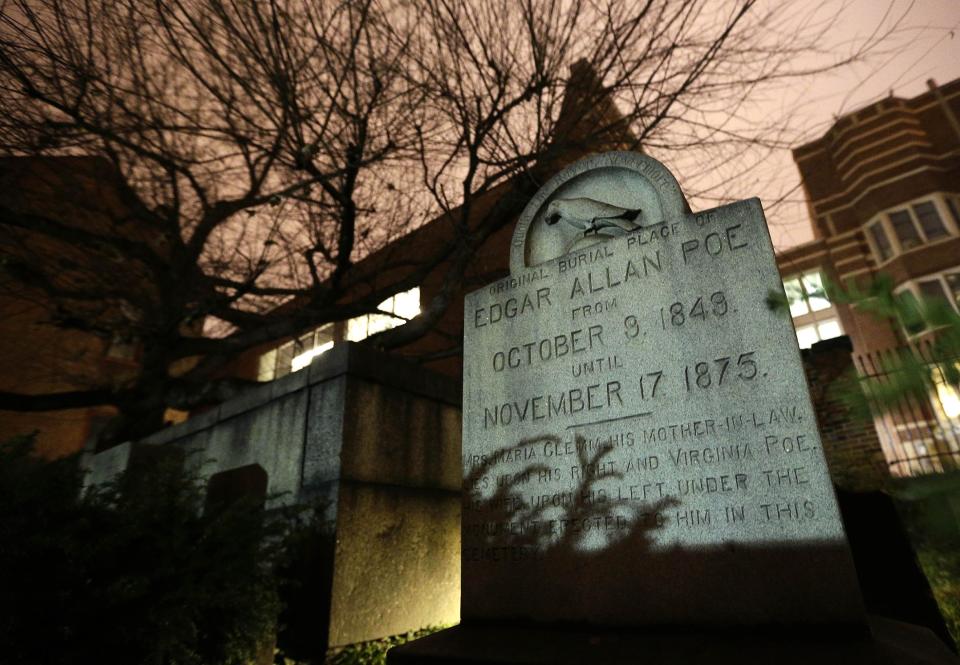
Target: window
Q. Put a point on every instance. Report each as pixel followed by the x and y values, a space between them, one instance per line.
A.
pixel 299 353
pixel 807 336
pixel 312 346
pixel 815 293
pixel 952 207
pixel 913 225
pixel 929 220
pixel 798 304
pixel 403 306
pixel 932 288
pixel 813 314
pixel 904 230
pixel 881 241
pixel 953 287
pixel 295 355
pixel 944 287
pixel 829 329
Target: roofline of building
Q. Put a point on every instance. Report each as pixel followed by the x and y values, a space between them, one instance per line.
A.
pixel 842 122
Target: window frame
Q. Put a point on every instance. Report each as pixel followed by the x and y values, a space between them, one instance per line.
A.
pixel 278 361
pixel 939 200
pixel 913 286
pixel 812 317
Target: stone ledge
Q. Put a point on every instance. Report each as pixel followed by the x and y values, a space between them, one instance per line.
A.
pixel 347 358
pixel 389 370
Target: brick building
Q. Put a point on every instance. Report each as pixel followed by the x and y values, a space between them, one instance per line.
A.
pixel 85 197
pixel 883 189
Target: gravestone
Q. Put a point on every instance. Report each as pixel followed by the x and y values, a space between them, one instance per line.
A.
pixel 639 446
pixel 639 442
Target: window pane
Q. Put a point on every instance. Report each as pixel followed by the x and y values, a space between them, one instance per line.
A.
pixel 324 334
pixel 953 209
pixel 953 285
pixel 388 305
pixel 284 358
pixel 305 343
pixel 929 220
pixel 829 329
pixel 904 229
pixel 305 358
pixel 267 367
pixel 806 336
pixel 911 316
pixel 932 288
pixel 948 397
pixel 379 322
pixel 357 328
pixel 881 240
pixel 794 292
pixel 816 296
pixel 408 303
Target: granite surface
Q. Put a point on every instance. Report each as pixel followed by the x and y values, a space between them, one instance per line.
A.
pixel 639 445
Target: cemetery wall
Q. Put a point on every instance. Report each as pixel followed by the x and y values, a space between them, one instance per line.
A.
pixel 375 442
pixel 851 444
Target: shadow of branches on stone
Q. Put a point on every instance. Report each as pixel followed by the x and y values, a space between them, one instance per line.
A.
pixel 611 543
pixel 591 532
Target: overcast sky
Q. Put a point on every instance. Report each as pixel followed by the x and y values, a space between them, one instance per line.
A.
pixel 927 46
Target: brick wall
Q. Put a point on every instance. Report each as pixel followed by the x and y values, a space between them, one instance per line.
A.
pixel 850 443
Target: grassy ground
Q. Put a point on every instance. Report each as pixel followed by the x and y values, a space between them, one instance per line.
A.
pixel 930 509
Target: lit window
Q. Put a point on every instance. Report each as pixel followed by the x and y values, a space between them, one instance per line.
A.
pixel 298 354
pixel 794 291
pixel 294 356
pixel 401 307
pixel 806 336
pixel 829 329
pixel 300 361
pixel 267 366
pixel 283 360
pixel 813 314
pixel 806 293
pixel 816 294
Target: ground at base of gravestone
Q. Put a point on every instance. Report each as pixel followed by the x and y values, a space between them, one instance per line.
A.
pixel 889 643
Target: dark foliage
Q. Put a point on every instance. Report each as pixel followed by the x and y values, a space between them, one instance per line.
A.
pixel 132 572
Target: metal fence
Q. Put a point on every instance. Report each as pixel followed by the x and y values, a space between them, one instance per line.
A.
pixel 920 434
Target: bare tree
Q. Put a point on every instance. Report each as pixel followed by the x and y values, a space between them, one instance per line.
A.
pixel 204 177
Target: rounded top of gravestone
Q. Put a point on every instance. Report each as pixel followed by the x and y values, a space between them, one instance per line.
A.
pixel 592 200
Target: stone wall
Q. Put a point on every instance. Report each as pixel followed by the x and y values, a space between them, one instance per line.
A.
pixel 376 442
pixel 851 444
